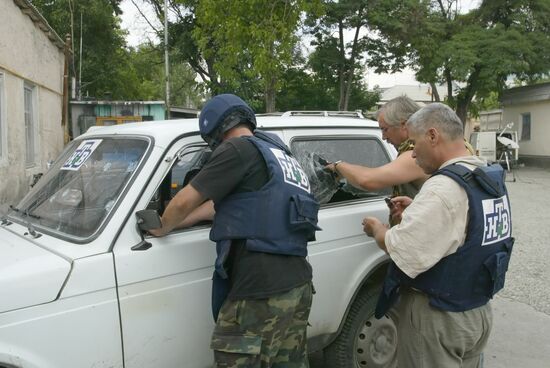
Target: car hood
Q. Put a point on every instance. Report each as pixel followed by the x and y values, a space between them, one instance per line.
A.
pixel 29 274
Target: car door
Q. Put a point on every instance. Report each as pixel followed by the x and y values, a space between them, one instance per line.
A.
pixel 164 290
pixel 342 254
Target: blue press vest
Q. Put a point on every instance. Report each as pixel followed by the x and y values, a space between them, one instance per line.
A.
pixel 279 218
pixel 470 277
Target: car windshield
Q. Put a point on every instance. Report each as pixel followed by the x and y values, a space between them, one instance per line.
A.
pixel 77 194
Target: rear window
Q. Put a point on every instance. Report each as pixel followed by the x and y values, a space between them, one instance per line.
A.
pixel 366 151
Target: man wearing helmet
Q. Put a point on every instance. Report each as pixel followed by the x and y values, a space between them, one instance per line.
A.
pixel 264 216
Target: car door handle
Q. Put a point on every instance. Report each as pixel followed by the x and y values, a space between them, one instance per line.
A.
pixel 142 245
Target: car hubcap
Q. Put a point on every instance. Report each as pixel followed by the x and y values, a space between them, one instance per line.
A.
pixel 375 343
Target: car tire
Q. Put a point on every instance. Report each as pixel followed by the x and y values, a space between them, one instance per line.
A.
pixel 364 341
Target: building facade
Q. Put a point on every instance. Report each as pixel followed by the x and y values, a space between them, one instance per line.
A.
pixel 85 114
pixel 31 95
pixel 528 108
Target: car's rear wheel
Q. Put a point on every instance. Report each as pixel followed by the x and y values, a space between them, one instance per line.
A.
pixel 364 342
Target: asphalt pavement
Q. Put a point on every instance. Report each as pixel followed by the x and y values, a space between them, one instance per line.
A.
pixel 521 311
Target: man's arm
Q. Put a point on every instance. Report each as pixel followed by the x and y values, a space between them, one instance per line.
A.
pixel 187 200
pixel 205 212
pixel 400 171
pixel 377 230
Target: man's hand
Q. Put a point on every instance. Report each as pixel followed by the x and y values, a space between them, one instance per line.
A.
pixel 331 167
pixel 399 205
pixel 157 232
pixel 377 230
pixel 371 225
pixel 185 202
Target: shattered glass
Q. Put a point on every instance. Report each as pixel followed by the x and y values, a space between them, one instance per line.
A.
pixel 313 155
pixel 81 188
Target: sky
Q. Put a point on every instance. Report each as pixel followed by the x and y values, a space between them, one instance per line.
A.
pixel 139 31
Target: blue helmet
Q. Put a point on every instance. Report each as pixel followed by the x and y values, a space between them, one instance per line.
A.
pixel 222 113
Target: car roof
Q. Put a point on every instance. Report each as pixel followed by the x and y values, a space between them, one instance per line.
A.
pixel 164 131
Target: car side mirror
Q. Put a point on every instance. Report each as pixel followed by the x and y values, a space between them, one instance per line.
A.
pixel 148 219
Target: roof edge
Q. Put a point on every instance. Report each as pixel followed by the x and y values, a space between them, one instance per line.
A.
pixel 30 10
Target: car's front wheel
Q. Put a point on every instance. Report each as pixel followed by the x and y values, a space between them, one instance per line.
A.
pixel 364 342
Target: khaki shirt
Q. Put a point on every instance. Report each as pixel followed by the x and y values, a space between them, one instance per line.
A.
pixel 407 189
pixel 434 224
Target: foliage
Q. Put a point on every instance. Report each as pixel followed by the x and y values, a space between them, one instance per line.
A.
pixel 489 102
pixel 147 62
pixel 343 58
pixel 105 69
pixel 182 45
pixel 479 50
pixel 302 90
pixel 250 40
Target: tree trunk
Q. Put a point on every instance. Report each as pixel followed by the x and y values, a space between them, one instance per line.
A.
pixel 435 92
pixel 449 80
pixel 466 95
pixel 270 93
pixel 342 68
pixel 349 66
pixel 462 110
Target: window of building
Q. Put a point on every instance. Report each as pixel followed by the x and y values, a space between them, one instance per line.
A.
pixel 30 125
pixel 526 126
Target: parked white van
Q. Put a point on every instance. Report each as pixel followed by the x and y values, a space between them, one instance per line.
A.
pixel 494 145
pixel 82 286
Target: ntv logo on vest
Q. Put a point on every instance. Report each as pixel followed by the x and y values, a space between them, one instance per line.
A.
pixel 292 171
pixel 496 214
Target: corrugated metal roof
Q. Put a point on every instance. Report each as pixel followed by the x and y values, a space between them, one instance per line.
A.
pixel 29 9
pixel 526 94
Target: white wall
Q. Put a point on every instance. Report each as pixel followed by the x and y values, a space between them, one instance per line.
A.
pixel 491 121
pixel 538 145
pixel 27 55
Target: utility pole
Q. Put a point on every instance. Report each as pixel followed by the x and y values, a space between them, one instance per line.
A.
pixel 80 63
pixel 65 102
pixel 166 62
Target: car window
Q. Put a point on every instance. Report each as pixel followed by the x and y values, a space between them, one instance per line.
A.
pixel 79 191
pixel 311 152
pixel 187 164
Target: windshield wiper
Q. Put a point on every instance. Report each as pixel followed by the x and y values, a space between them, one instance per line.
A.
pixel 30 214
pixel 30 228
pixel 13 208
pixel 26 212
pixel 31 231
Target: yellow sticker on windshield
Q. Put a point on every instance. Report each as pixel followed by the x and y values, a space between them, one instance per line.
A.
pixel 81 154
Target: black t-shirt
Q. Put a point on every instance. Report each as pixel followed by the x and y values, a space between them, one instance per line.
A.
pixel 237 166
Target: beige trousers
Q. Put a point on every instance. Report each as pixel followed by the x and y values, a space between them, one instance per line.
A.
pixel 432 338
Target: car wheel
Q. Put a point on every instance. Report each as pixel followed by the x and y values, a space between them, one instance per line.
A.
pixel 364 342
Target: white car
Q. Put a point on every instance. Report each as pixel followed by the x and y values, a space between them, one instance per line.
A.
pixel 82 286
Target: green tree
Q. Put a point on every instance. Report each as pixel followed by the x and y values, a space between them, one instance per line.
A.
pixel 181 42
pixel 325 67
pixel 344 57
pixel 105 69
pixel 477 51
pixel 252 40
pixel 147 62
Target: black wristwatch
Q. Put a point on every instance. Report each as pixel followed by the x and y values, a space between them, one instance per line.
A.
pixel 335 163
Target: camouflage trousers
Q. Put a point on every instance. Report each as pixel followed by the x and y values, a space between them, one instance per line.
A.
pixel 262 333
